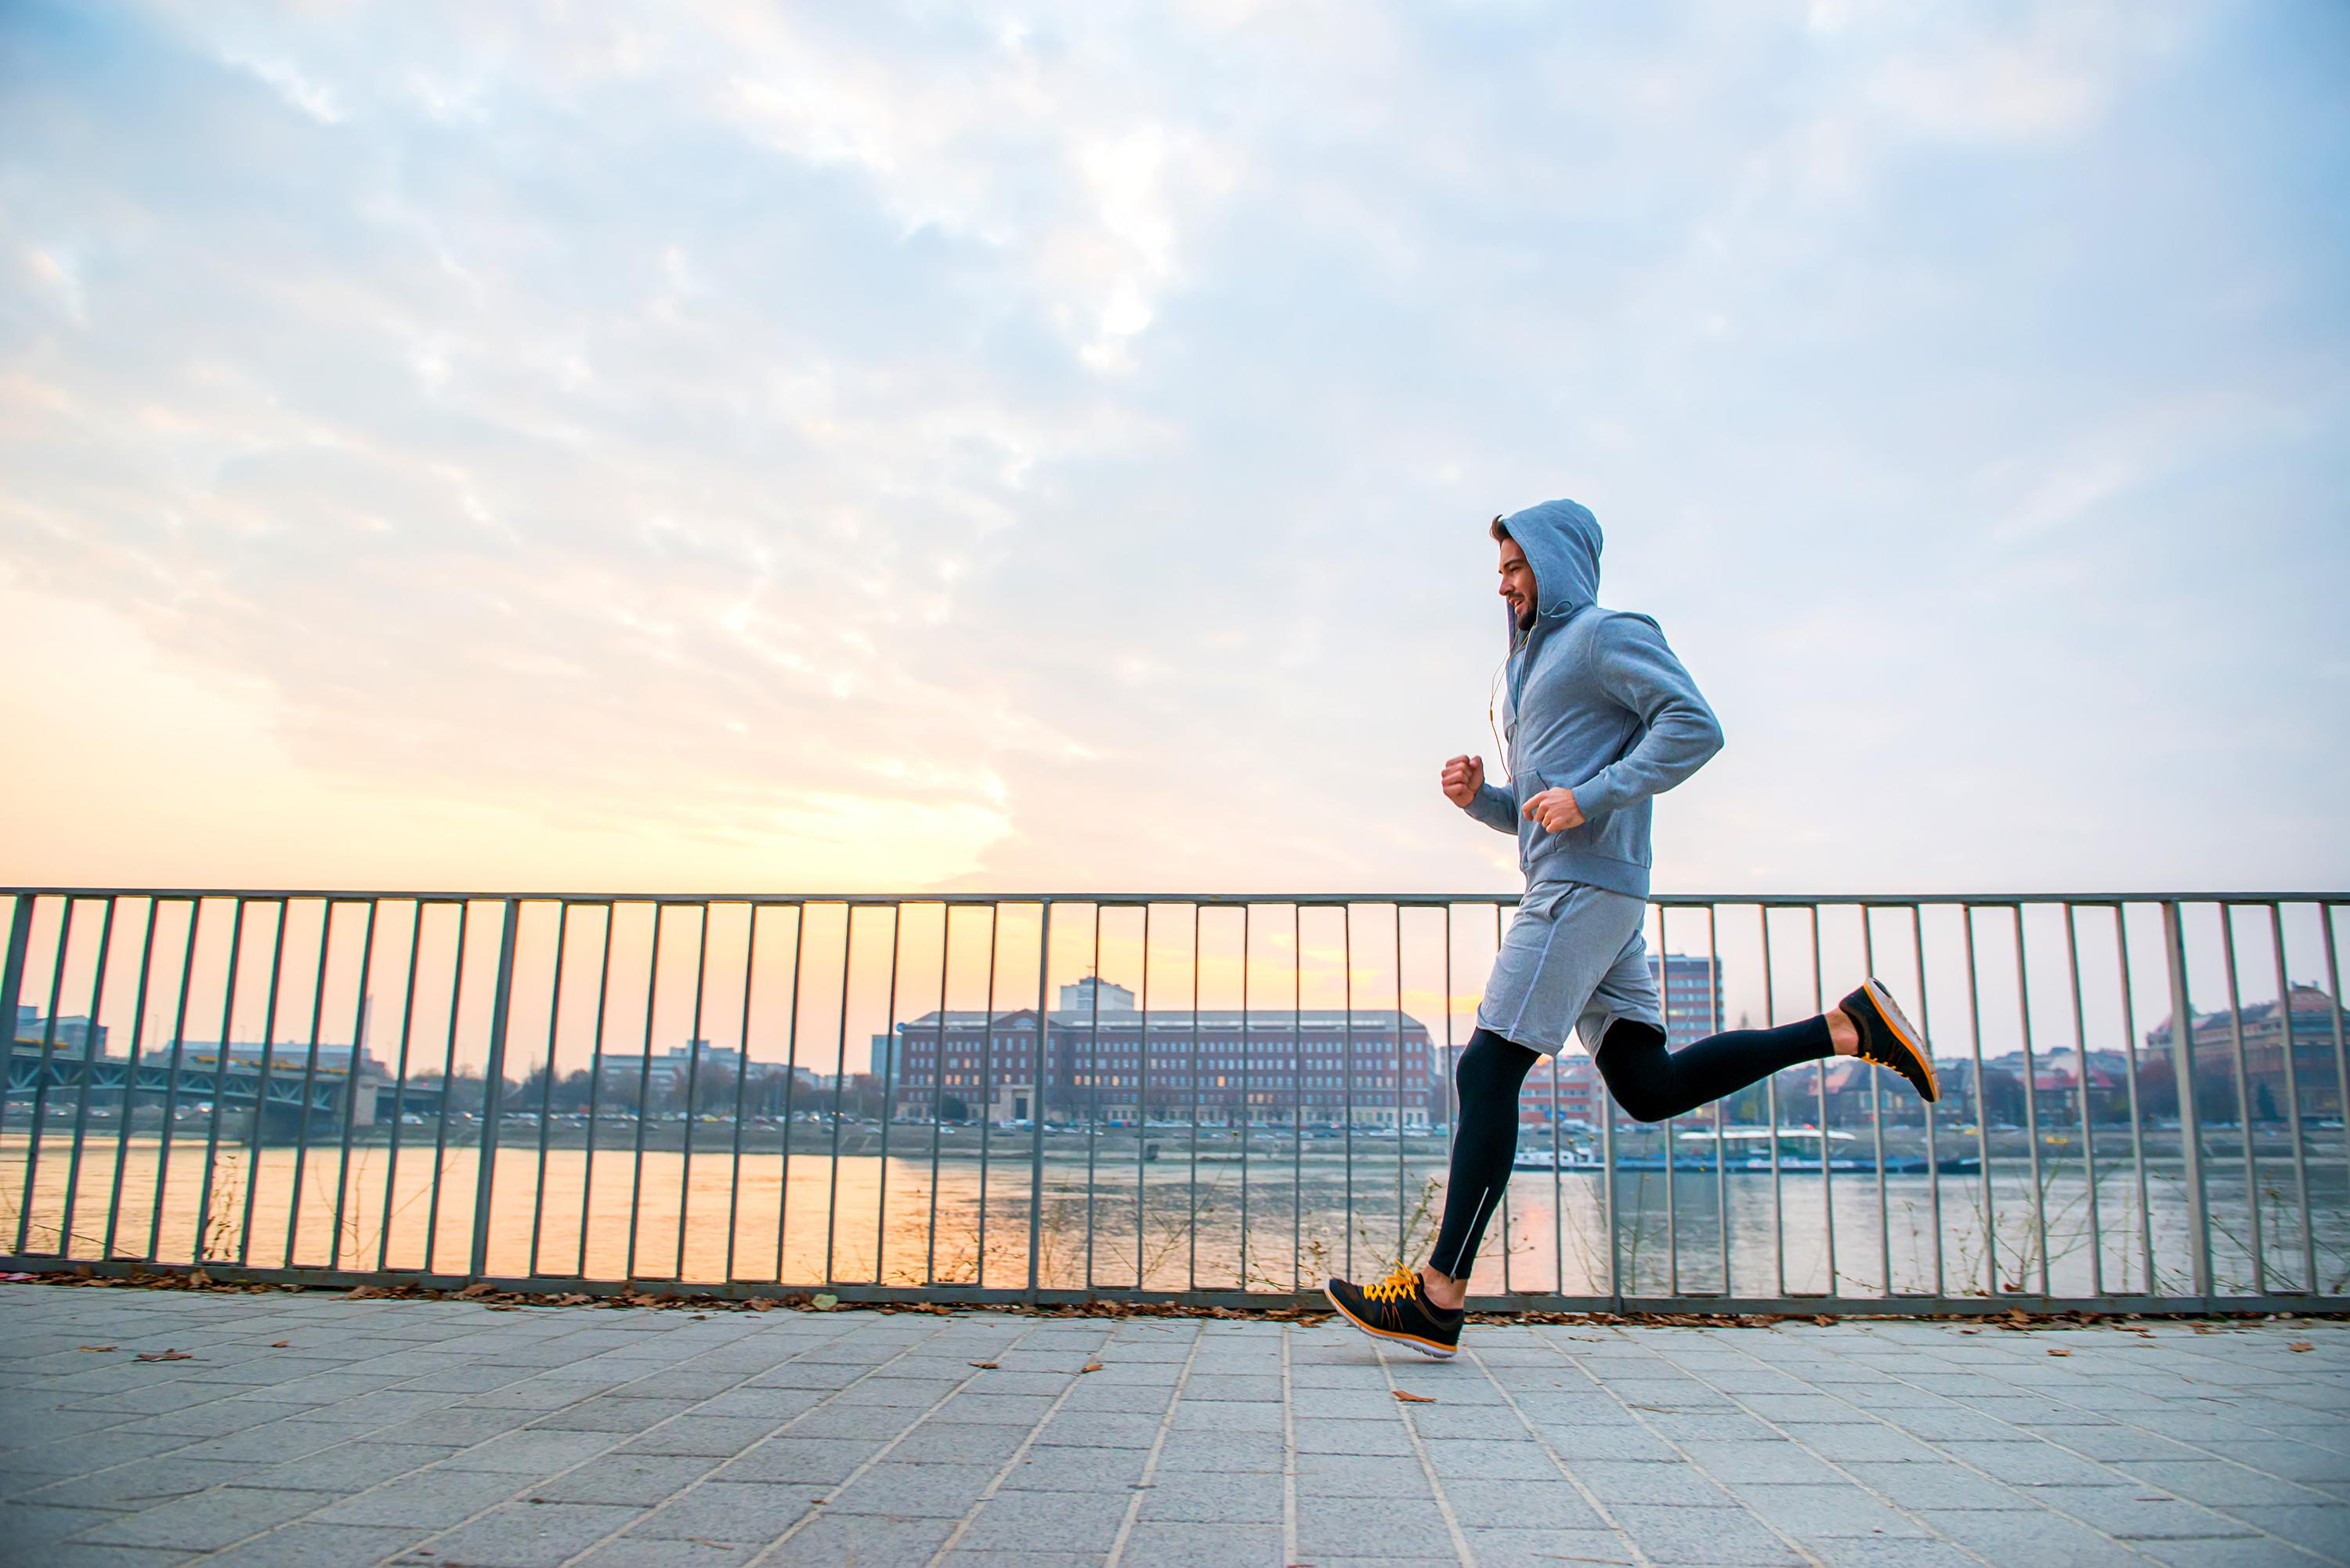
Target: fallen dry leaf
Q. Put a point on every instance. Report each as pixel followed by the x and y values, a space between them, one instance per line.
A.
pixel 165 1355
pixel 97 1347
pixel 982 1365
pixel 279 1343
pixel 1414 1399
pixel 2301 1345
pixel 2054 1351
pixel 1824 1320
pixel 1090 1367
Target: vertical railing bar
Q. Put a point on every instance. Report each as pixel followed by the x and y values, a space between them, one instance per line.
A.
pixel 448 1081
pixel 693 1081
pixel 2293 1099
pixel 2243 1101
pixel 1876 1121
pixel 595 1085
pixel 129 1073
pixel 2138 1121
pixel 938 1091
pixel 1608 1208
pixel 1396 1096
pixel 839 1077
pixel 1191 1265
pixel 1142 1100
pixel 1933 1150
pixel 2190 1120
pixel 399 1082
pixel 1558 1180
pixel 547 1078
pixel 1820 1082
pixel 90 1060
pixel 362 1014
pixel 1721 1124
pixel 66 911
pixel 261 1086
pixel 1093 1099
pixel 987 1090
pixel 888 1099
pixel 1445 1089
pixel 1558 1204
pixel 2088 1115
pixel 2030 1103
pixel 1673 1197
pixel 742 1082
pixel 309 1081
pixel 1036 1094
pixel 2326 915
pixel 1771 1105
pixel 20 911
pixel 220 1081
pixel 1347 1085
pixel 493 1086
pixel 791 1084
pixel 1982 1107
pixel 644 1090
pixel 1248 1093
pixel 171 1082
pixel 1297 1080
pixel 40 1070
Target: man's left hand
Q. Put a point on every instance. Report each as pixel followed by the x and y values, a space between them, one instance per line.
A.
pixel 1554 810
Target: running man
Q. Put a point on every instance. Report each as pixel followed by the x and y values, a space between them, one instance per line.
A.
pixel 1598 718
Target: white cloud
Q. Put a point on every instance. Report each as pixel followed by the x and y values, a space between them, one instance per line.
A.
pixel 1056 450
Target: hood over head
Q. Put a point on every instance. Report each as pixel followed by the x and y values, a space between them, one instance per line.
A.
pixel 1562 542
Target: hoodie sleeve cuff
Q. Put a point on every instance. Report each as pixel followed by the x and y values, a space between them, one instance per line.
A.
pixel 1494 808
pixel 1597 795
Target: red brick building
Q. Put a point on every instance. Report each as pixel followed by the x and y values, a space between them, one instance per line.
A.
pixel 1103 1059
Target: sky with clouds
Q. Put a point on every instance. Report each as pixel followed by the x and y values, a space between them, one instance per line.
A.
pixel 722 446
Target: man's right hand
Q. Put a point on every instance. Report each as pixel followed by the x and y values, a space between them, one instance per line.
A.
pixel 1463 777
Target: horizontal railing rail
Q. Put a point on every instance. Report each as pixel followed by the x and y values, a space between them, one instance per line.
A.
pixel 1217 1098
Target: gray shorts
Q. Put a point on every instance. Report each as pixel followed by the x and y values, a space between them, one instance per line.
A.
pixel 1575 955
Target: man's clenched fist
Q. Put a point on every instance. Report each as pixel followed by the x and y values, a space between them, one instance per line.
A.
pixel 1463 777
pixel 1554 809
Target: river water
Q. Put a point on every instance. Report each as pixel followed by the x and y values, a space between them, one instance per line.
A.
pixel 1188 1218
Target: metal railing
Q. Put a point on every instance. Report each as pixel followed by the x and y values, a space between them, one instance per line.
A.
pixel 1229 1097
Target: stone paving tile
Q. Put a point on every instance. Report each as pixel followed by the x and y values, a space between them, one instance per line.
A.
pixel 1018 1522
pixel 530 1534
pixel 1211 1499
pixel 438 1498
pixel 855 1540
pixel 1704 1537
pixel 1177 1544
pixel 310 1544
pixel 205 1522
pixel 634 1551
pixel 419 1434
pixel 730 1511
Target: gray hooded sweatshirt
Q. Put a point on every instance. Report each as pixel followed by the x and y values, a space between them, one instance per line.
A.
pixel 1595 703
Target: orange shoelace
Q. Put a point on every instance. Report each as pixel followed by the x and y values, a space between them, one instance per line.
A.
pixel 1398 1286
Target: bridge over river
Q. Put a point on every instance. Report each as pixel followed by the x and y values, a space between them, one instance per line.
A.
pixel 64 1080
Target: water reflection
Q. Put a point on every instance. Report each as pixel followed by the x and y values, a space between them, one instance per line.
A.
pixel 1109 1219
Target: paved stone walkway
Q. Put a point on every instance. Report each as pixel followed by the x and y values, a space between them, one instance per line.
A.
pixel 313 1432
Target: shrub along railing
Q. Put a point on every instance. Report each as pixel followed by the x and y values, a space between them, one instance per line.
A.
pixel 1231 1096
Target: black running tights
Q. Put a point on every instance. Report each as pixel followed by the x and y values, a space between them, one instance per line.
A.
pixel 1646 1079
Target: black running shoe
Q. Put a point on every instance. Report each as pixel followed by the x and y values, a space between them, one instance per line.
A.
pixel 1889 1039
pixel 1397 1308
